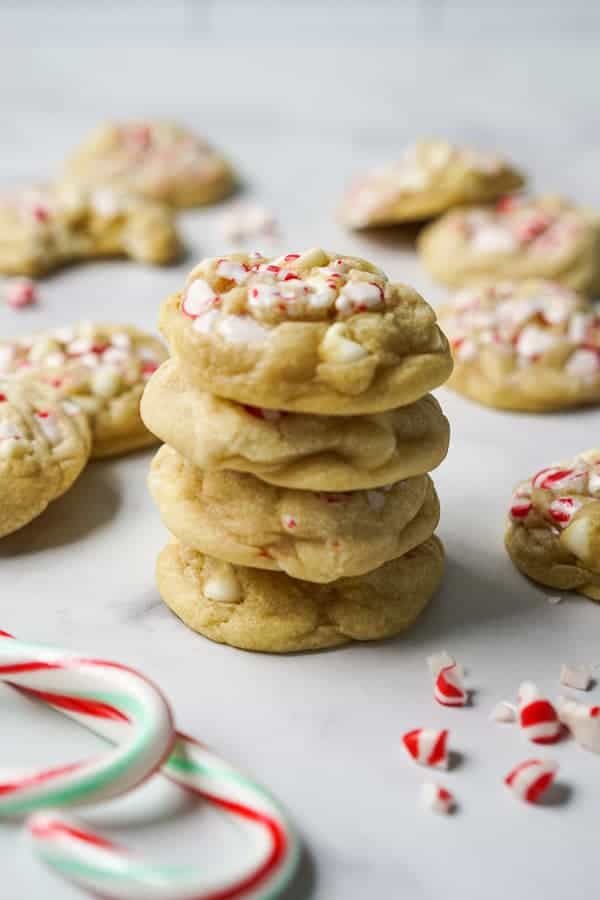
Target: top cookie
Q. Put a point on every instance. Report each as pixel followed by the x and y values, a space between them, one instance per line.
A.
pixel 42 228
pixel 311 332
pixel 157 160
pixel 530 346
pixel 428 179
pixel 44 445
pixel 517 238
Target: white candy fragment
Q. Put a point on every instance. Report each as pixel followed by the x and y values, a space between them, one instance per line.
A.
pixel 437 799
pixel 578 677
pixel 439 661
pixel 504 712
pixel 199 297
pixel 554 600
pixel 583 722
pixel 242 330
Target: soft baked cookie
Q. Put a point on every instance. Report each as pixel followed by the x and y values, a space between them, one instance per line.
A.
pixel 103 368
pixel 271 612
pixel 429 178
pixel 44 445
pixel 311 332
pixel 316 536
pixel 44 228
pixel 531 345
pixel 519 237
pixel 297 450
pixel 158 160
pixel 553 534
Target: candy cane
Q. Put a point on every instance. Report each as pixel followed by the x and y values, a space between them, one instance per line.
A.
pixel 115 696
pixel 104 868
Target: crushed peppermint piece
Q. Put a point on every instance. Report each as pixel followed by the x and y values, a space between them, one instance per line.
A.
pixel 436 798
pixel 578 677
pixel 583 722
pixel 427 747
pixel 531 779
pixel 504 712
pixel 537 716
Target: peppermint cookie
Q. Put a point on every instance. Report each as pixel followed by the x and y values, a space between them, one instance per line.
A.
pixel 532 345
pixel 553 533
pixel 296 450
pixel 44 228
pixel 518 238
pixel 103 368
pixel 312 332
pixel 159 161
pixel 44 445
pixel 316 536
pixel 428 179
pixel 271 612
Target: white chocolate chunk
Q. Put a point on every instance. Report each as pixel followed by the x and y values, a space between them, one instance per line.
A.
pixel 242 330
pixel 232 271
pixel 222 586
pixel 337 348
pixel 205 323
pixel 576 538
pixel 106 382
pixel 50 427
pixel 583 364
pixel 198 298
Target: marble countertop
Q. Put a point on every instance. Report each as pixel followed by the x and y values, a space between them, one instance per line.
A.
pixel 322 730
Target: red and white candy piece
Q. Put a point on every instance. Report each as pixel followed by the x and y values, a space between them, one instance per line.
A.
pixel 530 779
pixel 448 680
pixel 437 799
pixel 583 722
pixel 21 293
pixel 537 716
pixel 428 747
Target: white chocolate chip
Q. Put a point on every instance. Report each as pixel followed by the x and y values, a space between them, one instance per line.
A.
pixel 222 586
pixel 242 330
pixel 205 323
pixel 50 427
pixel 583 364
pixel 232 271
pixel 576 538
pixel 106 382
pixel 55 359
pixel 358 296
pixel 198 298
pixel 493 239
pixel 534 341
pixel 9 430
pixel 121 340
pixel 337 348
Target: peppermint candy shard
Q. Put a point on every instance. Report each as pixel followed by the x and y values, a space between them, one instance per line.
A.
pixel 439 661
pixel 428 747
pixel 437 799
pixel 449 688
pixel 577 677
pixel 530 779
pixel 582 720
pixel 537 716
pixel 504 712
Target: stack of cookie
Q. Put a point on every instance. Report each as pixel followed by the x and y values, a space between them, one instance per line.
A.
pixel 298 433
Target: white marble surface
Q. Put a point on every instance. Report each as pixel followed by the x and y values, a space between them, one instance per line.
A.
pixel 299 107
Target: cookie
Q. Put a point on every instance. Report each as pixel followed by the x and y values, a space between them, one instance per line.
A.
pixel 316 536
pixel 44 445
pixel 103 368
pixel 296 450
pixel 517 238
pixel 553 534
pixel 271 612
pixel 160 161
pixel 311 332
pixel 531 345
pixel 429 178
pixel 44 228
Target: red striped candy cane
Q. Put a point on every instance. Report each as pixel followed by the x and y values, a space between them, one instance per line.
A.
pixel 105 869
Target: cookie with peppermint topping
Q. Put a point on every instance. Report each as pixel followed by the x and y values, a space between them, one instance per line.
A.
pixel 306 332
pixel 553 533
pixel 268 611
pixel 44 445
pixel 156 160
pixel 296 450
pixel 45 227
pixel 315 536
pixel 529 346
pixel 517 238
pixel 102 368
pixel 429 178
